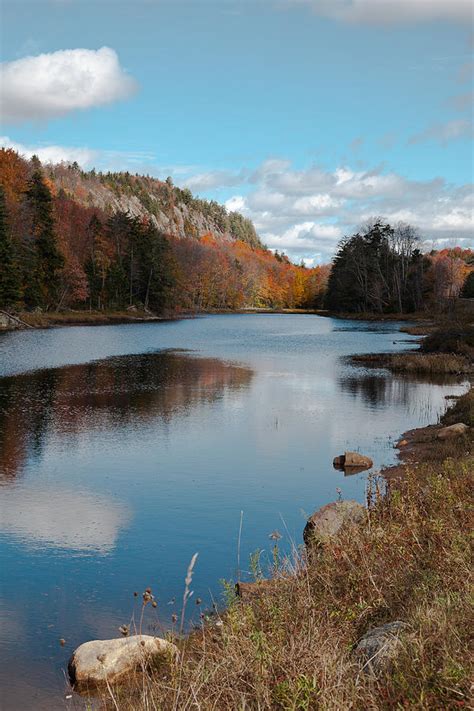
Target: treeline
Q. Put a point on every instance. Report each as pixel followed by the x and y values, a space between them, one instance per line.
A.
pixel 58 251
pixel 381 269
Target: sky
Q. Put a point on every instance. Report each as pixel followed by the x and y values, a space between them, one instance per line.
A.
pixel 308 116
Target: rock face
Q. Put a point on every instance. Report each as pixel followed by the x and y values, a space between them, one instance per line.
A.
pixel 453 431
pixel 352 460
pixel 378 648
pixel 327 521
pixel 98 661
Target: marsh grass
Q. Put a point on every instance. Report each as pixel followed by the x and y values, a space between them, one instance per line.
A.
pixel 291 647
pixel 79 318
pixel 416 362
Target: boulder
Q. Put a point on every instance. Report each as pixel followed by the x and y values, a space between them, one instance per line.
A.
pixel 378 648
pixel 112 660
pixel 453 431
pixel 352 460
pixel 327 521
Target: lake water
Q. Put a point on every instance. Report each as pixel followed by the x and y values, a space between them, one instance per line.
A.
pixel 126 449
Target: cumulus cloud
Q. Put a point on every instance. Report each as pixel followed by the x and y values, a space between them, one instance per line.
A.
pixel 445 132
pixel 306 212
pixel 392 12
pixel 51 85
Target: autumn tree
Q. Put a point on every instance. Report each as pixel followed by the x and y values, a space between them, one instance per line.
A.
pixel 9 274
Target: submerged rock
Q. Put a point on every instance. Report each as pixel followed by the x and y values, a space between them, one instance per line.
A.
pixel 112 660
pixel 453 431
pixel 378 647
pixel 352 460
pixel 327 521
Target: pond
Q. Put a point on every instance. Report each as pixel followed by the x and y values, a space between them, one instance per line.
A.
pixel 126 449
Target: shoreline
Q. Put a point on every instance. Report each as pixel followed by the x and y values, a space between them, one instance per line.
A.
pixel 15 321
pixel 420 446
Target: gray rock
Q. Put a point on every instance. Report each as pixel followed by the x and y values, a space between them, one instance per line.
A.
pixel 379 647
pixel 325 523
pixel 453 431
pixel 111 660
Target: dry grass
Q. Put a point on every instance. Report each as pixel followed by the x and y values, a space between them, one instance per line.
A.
pixel 417 362
pixel 430 363
pixel 64 318
pixel 291 647
pixel 461 411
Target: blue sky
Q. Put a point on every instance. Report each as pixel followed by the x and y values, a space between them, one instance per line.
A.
pixel 307 115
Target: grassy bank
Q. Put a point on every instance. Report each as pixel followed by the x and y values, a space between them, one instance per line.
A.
pixel 44 319
pixel 291 646
pixel 446 349
pixel 415 362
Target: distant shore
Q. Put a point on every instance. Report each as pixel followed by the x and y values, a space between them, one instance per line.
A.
pixel 49 319
pixel 418 323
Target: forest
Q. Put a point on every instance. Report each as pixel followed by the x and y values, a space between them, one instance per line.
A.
pixel 71 239
pixel 381 269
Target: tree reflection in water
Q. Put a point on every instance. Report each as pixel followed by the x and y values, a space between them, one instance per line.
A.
pixel 103 395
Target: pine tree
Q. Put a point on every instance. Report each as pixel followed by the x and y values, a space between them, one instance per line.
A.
pixel 48 259
pixel 10 291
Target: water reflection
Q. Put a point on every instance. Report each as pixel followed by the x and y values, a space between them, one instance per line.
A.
pixel 105 395
pixel 376 389
pixel 62 518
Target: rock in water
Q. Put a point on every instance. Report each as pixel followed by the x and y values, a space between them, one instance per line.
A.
pixel 378 647
pixel 98 661
pixel 352 460
pixel 327 521
pixel 453 431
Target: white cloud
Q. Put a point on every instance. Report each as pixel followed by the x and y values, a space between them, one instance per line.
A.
pixel 52 154
pixel 291 216
pixel 88 158
pixel 304 236
pixel 445 132
pixel 392 12
pixel 236 204
pixel 213 179
pixel 313 204
pixel 51 85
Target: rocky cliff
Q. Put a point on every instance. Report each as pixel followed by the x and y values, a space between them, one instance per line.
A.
pixel 173 210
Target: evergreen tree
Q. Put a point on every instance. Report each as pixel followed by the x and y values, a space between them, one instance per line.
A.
pixel 48 259
pixel 377 270
pixel 9 274
pixel 468 287
pixel 154 267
